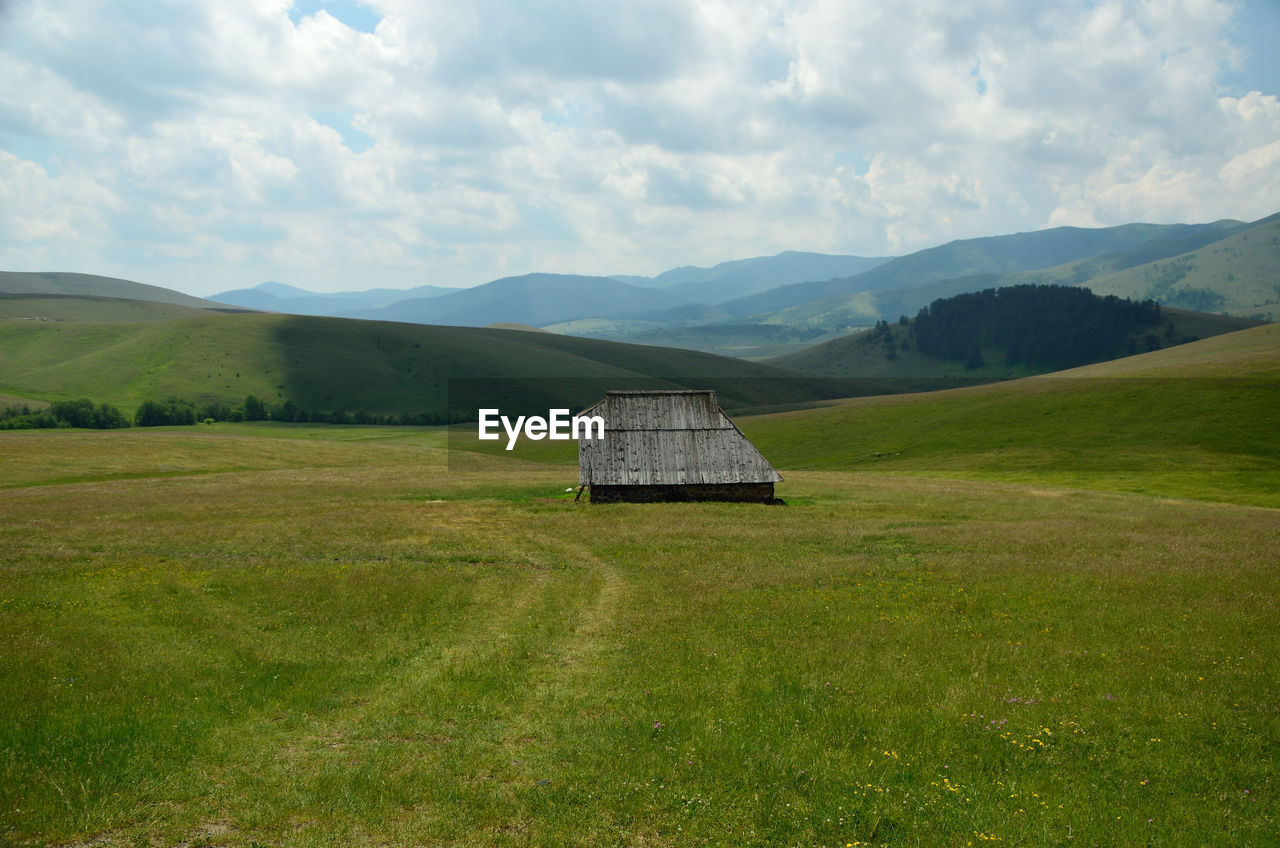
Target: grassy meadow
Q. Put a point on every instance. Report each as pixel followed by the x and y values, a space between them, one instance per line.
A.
pixel 240 635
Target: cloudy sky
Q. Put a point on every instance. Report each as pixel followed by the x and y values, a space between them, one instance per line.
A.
pixel 348 144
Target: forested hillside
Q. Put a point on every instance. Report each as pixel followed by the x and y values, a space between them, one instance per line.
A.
pixel 1014 331
pixel 1051 327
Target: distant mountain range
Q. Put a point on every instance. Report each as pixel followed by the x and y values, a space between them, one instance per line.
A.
pixel 542 299
pixel 278 297
pixel 744 277
pixel 1229 267
pixel 534 299
pixel 67 335
pixel 775 305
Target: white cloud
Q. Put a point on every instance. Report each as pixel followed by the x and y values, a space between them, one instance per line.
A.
pixel 1234 173
pixel 243 140
pixel 44 214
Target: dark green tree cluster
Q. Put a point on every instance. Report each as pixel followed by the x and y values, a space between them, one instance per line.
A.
pixel 65 413
pixel 173 411
pixel 177 411
pixel 883 335
pixel 1050 327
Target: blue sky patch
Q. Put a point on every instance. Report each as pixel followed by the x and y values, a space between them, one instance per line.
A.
pixel 340 120
pixel 357 16
pixel 976 73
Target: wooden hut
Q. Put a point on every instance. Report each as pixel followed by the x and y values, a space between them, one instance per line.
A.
pixel 671 446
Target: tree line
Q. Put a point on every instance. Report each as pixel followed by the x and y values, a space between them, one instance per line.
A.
pixel 178 411
pixel 63 413
pixel 1040 326
pixel 255 409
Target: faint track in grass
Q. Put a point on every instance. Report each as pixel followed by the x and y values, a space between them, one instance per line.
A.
pixel 475 709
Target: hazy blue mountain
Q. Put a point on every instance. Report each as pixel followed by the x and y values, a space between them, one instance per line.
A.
pixel 253 299
pixel 534 299
pixel 282 290
pixel 741 277
pixel 971 257
pixel 291 300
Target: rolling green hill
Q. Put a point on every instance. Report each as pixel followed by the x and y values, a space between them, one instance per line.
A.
pixel 1225 266
pixel 333 364
pixel 65 307
pixel 1238 275
pixel 58 282
pixel 1198 420
pixel 1235 273
pixel 958 259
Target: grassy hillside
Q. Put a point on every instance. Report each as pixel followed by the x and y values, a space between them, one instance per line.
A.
pixel 62 307
pixel 957 259
pixel 340 364
pixel 1222 267
pixel 1239 275
pixel 21 282
pixel 1080 272
pixel 1191 421
pixel 10 400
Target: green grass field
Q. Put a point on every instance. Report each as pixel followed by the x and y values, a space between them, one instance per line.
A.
pixel 1196 421
pixel 240 635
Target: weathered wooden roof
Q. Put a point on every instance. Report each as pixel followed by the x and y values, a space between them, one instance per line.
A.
pixel 668 438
